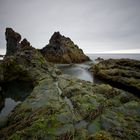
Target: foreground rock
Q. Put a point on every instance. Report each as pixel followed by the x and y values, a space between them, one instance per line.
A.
pixel 65 108
pixel 62 50
pixel 124 73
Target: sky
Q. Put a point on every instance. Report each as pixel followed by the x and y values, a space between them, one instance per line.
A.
pixel 96 26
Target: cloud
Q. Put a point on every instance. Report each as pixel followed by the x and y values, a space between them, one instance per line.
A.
pixel 92 24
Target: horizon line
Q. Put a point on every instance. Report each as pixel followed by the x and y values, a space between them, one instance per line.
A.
pixel 129 51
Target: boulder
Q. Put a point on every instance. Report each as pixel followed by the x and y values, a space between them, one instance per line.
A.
pixel 99 59
pixel 62 49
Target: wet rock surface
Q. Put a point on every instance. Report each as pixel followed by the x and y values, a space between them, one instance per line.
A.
pixel 62 107
pixel 62 49
pixel 123 73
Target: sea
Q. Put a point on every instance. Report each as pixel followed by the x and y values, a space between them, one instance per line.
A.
pixel 79 71
pixel 115 56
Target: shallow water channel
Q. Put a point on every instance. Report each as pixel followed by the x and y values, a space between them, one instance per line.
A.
pixel 79 71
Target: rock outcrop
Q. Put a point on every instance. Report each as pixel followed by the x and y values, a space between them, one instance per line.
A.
pixel 123 73
pixel 13 42
pixel 13 38
pixel 62 107
pixel 62 50
pixel 25 63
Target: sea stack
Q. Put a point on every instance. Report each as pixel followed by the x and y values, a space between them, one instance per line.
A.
pixel 14 42
pixel 62 49
pixel 12 39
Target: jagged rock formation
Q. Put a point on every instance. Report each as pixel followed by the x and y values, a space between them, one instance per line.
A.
pixel 62 50
pixel 13 42
pixel 12 39
pixel 123 73
pixel 61 107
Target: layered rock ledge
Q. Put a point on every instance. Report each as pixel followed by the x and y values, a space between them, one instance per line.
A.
pixel 124 73
pixel 64 108
pixel 62 49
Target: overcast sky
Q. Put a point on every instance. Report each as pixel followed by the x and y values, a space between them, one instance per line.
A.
pixel 94 25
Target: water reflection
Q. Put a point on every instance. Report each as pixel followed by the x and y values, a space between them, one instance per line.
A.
pixel 12 94
pixel 9 104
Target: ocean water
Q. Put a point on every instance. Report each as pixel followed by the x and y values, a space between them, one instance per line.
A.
pixel 115 56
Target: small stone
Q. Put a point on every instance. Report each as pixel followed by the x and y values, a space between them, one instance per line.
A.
pixel 25 42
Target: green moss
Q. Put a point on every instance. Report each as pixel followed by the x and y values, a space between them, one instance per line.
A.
pixel 43 127
pixel 94 126
pixel 121 72
pixel 101 135
pixel 15 137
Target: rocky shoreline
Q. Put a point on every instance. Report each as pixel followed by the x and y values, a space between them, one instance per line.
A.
pixel 62 107
pixel 123 73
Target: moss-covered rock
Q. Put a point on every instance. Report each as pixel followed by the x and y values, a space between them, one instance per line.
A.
pixel 123 73
pixel 61 49
pixel 50 113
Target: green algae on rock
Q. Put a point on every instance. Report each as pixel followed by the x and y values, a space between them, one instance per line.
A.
pixel 62 49
pixel 124 73
pixel 86 113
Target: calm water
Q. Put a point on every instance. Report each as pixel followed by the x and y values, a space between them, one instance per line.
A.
pixel 115 56
pixel 81 70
